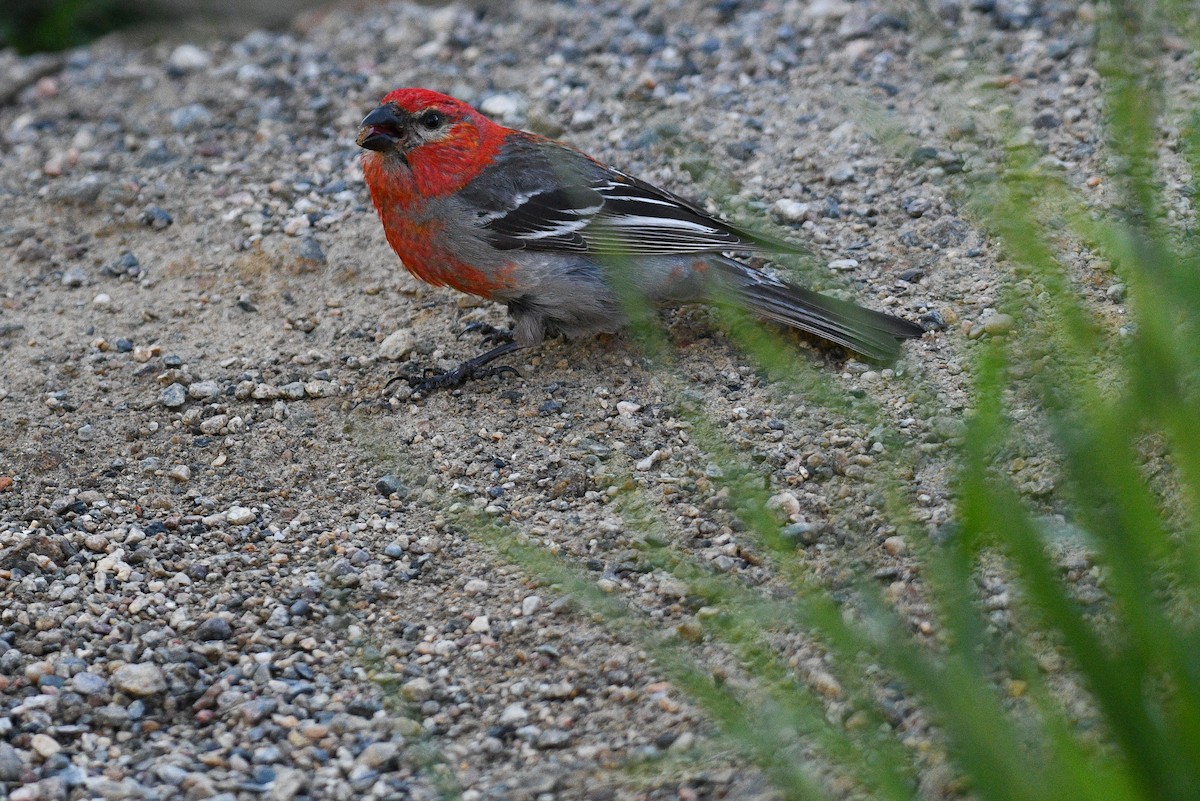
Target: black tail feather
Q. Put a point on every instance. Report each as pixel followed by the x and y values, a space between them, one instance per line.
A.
pixel 870 333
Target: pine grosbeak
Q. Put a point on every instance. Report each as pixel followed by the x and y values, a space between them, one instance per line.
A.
pixel 561 238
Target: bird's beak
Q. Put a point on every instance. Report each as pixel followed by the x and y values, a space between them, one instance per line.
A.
pixel 381 129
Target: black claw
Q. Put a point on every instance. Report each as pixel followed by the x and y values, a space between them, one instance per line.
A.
pixel 456 378
pixel 387 387
pixel 467 371
pixel 490 333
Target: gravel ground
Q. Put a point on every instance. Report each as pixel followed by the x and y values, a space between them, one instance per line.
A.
pixel 226 566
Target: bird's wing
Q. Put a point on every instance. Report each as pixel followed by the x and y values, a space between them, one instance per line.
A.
pixel 545 197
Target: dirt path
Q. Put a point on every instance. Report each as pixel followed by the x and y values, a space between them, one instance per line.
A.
pixel 225 562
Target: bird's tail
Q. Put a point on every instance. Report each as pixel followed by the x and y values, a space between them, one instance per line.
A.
pixel 870 333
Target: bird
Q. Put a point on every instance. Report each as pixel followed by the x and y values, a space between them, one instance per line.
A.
pixel 564 240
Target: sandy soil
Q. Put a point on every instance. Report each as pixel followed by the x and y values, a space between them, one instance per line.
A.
pixel 233 565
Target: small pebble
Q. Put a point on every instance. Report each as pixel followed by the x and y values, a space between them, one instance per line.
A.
pixel 417 690
pixel 86 683
pixel 379 756
pixel 683 742
pixel 628 408
pixel 785 502
pixel 389 485
pixel 998 324
pixel 173 396
pixel 295 226
pixel 45 746
pixel 841 174
pixel 188 118
pixel 309 251
pixel 203 391
pixel 397 345
pixel 514 715
pixel 650 461
pixel 11 764
pixel 791 210
pixel 140 679
pixel 553 738
pixel 213 628
pixel 240 516
pixel 917 206
pixel 825 684
pixel 530 605
pixel 156 218
pixel 188 58
pixel 508 108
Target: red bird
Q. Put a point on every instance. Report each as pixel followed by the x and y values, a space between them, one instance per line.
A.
pixel 561 238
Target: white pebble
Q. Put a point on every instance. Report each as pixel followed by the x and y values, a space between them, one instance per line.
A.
pixel 825 684
pixel 791 210
pixel 188 57
pixel 507 108
pixel 683 742
pixel 397 345
pixel 650 461
pixel 296 225
pixel 44 745
pixel 417 690
pixel 240 515
pixel 514 715
pixel 140 679
pixel 530 605
pixel 785 502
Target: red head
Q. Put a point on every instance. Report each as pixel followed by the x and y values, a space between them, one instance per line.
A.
pixel 431 139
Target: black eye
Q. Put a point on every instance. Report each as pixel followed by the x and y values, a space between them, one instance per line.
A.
pixel 431 120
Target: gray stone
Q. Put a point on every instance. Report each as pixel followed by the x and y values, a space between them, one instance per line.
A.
pixel 214 628
pixel 173 396
pixel 86 683
pixel 12 765
pixel 379 756
pixel 140 679
pixel 191 117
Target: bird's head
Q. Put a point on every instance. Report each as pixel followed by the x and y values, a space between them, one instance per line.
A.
pixel 408 119
pixel 429 140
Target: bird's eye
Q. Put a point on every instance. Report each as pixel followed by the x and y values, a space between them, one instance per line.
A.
pixel 431 120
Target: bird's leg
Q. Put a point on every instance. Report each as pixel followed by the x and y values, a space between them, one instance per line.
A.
pixel 468 370
pixel 489 332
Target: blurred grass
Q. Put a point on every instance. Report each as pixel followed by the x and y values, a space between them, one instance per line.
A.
pixel 1120 414
pixel 46 26
pixel 35 26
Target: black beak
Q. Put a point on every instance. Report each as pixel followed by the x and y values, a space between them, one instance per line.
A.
pixel 381 129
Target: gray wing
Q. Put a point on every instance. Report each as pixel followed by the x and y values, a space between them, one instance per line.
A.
pixel 545 197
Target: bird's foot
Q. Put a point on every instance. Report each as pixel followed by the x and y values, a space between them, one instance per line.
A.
pixel 490 333
pixel 450 379
pixel 469 370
